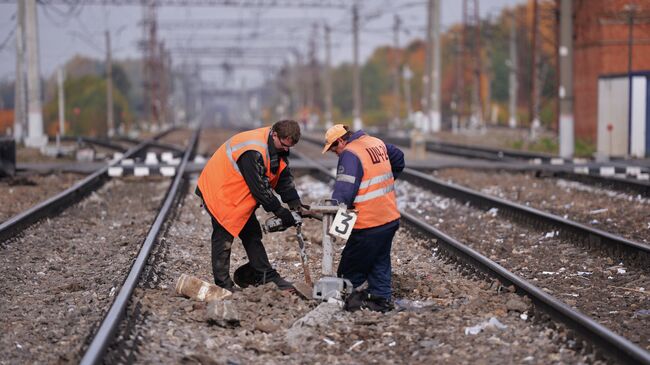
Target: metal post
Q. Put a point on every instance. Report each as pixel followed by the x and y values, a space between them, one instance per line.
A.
pixel 532 117
pixel 427 82
pixel 407 93
pixel 357 123
pixel 565 91
pixel 512 90
pixel 35 136
pixel 328 79
pixel 630 9
pixel 477 100
pixel 396 62
pixel 60 79
pixel 110 122
pixel 328 248
pixel 435 69
pixel 19 96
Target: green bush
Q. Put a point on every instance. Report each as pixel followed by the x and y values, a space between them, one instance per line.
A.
pixel 584 148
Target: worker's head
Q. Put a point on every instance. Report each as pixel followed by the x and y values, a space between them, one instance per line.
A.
pixel 336 138
pixel 286 133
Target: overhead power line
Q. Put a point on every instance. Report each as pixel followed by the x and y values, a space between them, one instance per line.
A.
pixel 240 23
pixel 337 4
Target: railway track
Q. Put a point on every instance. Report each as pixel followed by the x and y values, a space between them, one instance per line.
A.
pixel 49 207
pixel 612 175
pixel 443 304
pixel 590 328
pixel 62 273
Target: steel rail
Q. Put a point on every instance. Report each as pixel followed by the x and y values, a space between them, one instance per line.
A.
pixel 605 339
pixel 615 183
pixel 505 155
pixel 595 236
pixel 104 334
pixel 95 141
pixel 157 144
pixel 67 197
pixel 487 153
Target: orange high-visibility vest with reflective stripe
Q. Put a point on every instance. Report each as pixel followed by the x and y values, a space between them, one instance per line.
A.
pixel 222 185
pixel 375 199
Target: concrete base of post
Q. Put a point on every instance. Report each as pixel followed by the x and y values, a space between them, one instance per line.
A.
pixel 357 124
pixel 566 136
pixel 35 137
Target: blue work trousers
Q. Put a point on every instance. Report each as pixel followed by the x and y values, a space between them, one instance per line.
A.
pixel 366 257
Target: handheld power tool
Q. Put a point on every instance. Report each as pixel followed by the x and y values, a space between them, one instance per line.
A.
pixel 274 224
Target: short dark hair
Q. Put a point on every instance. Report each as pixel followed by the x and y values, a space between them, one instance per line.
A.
pixel 287 128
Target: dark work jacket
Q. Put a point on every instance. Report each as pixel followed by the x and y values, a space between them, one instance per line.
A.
pixel 251 165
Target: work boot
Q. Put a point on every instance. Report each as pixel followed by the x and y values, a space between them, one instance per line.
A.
pixel 363 300
pixel 272 276
pixel 229 285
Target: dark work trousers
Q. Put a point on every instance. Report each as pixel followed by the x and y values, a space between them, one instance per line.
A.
pixel 366 257
pixel 251 236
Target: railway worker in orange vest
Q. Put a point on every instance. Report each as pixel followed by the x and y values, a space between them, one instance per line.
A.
pixel 367 169
pixel 239 177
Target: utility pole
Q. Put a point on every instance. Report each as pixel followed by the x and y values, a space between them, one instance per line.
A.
pixel 512 80
pixel 630 9
pixel 20 111
pixel 477 100
pixel 427 81
pixel 296 77
pixel 532 107
pixel 407 92
pixel 35 137
pixel 60 80
pixel 435 74
pixel 396 62
pixel 312 79
pixel 456 104
pixel 356 86
pixel 110 122
pixel 566 79
pixel 328 79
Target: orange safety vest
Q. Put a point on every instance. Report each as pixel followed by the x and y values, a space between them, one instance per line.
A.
pixel 375 199
pixel 222 185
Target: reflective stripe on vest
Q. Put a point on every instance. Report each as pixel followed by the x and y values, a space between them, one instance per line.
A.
pixel 230 150
pixel 374 194
pixel 375 199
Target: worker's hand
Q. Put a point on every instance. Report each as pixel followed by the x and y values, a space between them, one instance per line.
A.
pixel 285 215
pixel 297 205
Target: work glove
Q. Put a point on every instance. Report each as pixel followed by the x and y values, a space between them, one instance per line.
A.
pixel 285 215
pixel 297 205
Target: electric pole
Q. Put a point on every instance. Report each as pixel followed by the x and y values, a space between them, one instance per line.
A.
pixel 356 86
pixel 60 80
pixel 477 100
pixel 630 9
pixel 327 79
pixel 396 62
pixel 407 92
pixel 110 123
pixel 35 137
pixel 532 107
pixel 427 82
pixel 512 80
pixel 435 74
pixel 565 91
pixel 19 96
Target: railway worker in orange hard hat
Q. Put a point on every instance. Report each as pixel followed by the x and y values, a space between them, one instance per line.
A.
pixel 366 171
pixel 240 176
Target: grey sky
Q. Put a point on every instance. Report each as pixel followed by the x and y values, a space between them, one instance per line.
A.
pixel 63 36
